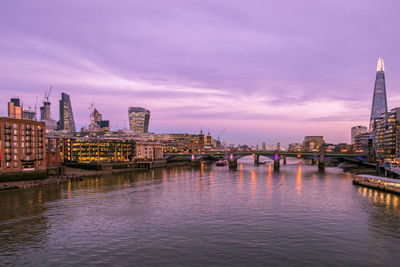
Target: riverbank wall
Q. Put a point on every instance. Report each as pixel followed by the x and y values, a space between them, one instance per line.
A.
pixel 78 172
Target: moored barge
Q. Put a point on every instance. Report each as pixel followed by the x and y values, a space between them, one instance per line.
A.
pixel 381 183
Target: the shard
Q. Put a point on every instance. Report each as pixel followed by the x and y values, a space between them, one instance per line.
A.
pixel 379 103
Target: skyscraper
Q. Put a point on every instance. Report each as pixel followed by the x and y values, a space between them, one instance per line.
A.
pixel 67 121
pixel 379 103
pixel 139 119
pixel 14 109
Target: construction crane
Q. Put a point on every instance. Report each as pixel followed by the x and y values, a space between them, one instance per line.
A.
pixel 47 95
pixel 220 134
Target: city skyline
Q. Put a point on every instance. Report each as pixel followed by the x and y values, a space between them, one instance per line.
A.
pixel 264 77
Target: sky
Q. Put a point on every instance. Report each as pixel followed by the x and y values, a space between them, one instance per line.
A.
pixel 267 71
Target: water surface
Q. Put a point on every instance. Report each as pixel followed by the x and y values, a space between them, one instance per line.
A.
pixel 206 215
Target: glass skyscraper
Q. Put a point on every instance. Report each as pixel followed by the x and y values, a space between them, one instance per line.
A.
pixel 67 121
pixel 139 119
pixel 379 103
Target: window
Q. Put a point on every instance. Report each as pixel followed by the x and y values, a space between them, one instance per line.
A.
pixel 14 126
pixel 15 164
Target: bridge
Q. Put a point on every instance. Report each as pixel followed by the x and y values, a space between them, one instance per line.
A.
pixel 276 156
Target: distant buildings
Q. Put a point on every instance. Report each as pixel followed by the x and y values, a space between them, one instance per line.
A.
pixel 295 147
pixel 45 116
pixel 357 130
pixel 379 102
pixel 67 122
pixel 97 123
pixel 15 109
pixel 313 143
pixel 139 119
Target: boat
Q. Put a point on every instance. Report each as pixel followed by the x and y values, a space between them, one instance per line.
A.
pixel 221 162
pixel 381 183
pixel 262 162
pixel 300 163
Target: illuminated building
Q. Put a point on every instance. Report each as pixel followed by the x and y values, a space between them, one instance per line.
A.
pixel 379 102
pixel 67 122
pixel 386 136
pixel 313 143
pixel 149 150
pixel 94 150
pixel 361 142
pixel 295 147
pixel 208 142
pixel 357 130
pixel 139 119
pixel 14 109
pixel 22 145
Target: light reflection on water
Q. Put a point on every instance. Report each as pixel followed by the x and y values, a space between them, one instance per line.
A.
pixel 202 215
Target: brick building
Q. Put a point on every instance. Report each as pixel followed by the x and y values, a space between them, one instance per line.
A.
pixel 22 145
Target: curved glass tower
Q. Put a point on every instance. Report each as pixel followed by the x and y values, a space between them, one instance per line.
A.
pixel 379 103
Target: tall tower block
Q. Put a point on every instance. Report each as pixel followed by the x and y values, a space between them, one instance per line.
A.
pixel 379 102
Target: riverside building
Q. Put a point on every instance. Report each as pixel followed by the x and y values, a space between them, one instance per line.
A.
pixel 386 135
pixel 22 145
pixel 94 150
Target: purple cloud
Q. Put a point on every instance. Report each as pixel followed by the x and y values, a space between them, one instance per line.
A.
pixel 266 70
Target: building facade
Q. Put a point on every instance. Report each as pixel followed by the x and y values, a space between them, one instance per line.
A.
pixel 67 122
pixel 95 150
pixel 379 102
pixel 15 109
pixel 22 145
pixel 386 135
pixel 139 119
pixel 361 142
pixel 149 150
pixel 357 130
pixel 313 143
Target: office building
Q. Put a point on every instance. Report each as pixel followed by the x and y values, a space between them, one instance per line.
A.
pixel 15 109
pixel 357 130
pixel 361 142
pixel 379 102
pixel 67 122
pixel 97 123
pixel 139 119
pixel 96 150
pixel 313 143
pixel 21 145
pixel 149 150
pixel 386 136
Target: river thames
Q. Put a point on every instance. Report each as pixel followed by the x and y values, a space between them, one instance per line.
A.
pixel 205 215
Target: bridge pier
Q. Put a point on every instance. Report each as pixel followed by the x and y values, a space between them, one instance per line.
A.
pixel 232 163
pixel 321 166
pixel 256 159
pixel 321 163
pixel 284 161
pixel 276 165
pixel 312 161
pixel 378 169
